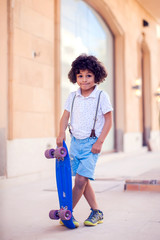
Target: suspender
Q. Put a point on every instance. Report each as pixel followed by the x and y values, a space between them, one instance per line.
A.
pixel 69 124
pixel 95 118
pixel 93 134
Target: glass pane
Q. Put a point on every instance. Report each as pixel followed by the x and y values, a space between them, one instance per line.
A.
pixel 84 31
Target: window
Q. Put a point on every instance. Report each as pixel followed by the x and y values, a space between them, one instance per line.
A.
pixel 84 31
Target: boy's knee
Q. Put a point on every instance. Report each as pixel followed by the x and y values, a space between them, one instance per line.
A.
pixel 80 181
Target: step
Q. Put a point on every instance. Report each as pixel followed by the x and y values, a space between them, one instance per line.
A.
pixel 142 185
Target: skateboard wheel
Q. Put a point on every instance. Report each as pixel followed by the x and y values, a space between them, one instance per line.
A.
pixel 65 214
pixel 49 153
pixel 53 214
pixel 60 152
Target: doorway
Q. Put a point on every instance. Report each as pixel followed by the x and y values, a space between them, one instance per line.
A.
pixel 146 96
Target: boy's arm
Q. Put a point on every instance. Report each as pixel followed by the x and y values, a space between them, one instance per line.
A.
pixel 96 148
pixel 63 125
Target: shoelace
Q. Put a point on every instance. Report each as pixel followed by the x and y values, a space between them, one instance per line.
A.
pixel 91 215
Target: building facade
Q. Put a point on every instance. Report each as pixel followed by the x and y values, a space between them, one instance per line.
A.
pixel 38 42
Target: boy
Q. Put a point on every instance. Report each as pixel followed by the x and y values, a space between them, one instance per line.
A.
pixel 90 113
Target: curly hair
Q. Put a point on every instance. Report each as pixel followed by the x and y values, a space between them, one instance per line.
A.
pixel 87 62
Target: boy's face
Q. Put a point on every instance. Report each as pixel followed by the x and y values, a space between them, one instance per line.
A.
pixel 85 79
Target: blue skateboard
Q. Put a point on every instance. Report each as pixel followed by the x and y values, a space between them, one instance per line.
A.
pixel 64 185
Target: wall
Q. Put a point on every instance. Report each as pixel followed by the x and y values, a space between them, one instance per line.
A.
pixel 129 15
pixel 31 85
pixel 3 86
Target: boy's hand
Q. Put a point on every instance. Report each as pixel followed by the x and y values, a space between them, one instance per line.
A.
pixel 97 146
pixel 59 140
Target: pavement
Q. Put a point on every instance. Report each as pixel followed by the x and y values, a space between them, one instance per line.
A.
pixel 128 215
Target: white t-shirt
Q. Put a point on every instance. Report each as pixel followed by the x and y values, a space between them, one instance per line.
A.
pixel 84 110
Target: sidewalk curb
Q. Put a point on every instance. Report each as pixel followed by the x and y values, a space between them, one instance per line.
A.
pixel 142 185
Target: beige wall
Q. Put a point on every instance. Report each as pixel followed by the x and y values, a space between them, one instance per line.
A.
pixel 31 81
pixel 129 14
pixel 3 85
pixel 31 86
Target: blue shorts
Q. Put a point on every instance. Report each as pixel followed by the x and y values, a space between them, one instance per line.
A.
pixel 83 161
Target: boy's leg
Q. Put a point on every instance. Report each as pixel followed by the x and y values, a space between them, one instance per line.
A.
pixel 90 196
pixel 79 188
pixel 96 216
pixel 83 186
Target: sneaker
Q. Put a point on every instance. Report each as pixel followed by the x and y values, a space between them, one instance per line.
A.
pixel 76 223
pixel 94 218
